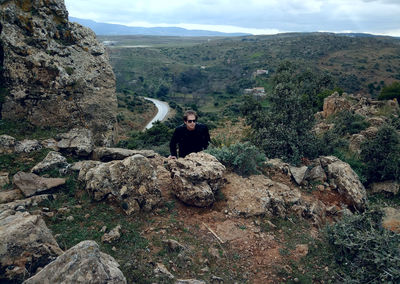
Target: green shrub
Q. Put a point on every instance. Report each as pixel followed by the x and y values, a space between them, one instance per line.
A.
pixel 364 250
pixel 242 158
pixel 390 92
pixel 350 123
pixel 382 155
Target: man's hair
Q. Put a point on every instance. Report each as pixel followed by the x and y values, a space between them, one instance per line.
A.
pixel 189 112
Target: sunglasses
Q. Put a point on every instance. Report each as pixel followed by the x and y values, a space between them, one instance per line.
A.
pixel 191 121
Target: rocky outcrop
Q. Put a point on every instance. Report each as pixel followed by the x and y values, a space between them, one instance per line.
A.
pixel 106 154
pixel 56 72
pixel 78 141
pixel 334 104
pixel 53 161
pixel 7 144
pixel 27 146
pixel 259 195
pixel 31 184
pixel 343 179
pixel 391 187
pixel 83 263
pixel 196 178
pixel 26 244
pixel 132 182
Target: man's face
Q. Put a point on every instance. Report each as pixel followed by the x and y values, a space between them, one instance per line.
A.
pixel 190 122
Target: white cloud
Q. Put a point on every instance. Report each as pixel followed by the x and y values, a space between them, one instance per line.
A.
pixel 375 16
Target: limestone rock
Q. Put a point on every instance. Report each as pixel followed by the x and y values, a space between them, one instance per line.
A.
pixel 132 182
pixel 391 220
pixel 105 154
pixel 26 244
pixel 163 271
pixel 298 173
pixel 83 263
pixel 196 178
pixel 30 184
pixel 346 180
pixel 173 246
pixel 7 144
pixel 189 281
pixel 26 202
pixel 78 141
pixel 386 186
pixel 370 132
pixel 57 73
pixel 4 180
pixel 9 196
pixel 112 236
pixel 53 160
pixel 334 104
pixel 50 144
pixel 27 146
pixel 259 195
pixel 316 174
pixel 355 143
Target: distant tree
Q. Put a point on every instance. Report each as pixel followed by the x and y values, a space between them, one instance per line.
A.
pixel 382 155
pixel 283 130
pixel 390 92
pixel 162 92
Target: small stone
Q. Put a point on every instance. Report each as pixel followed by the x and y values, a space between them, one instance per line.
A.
pixel 114 249
pixel 48 214
pixel 103 229
pixel 46 209
pixel 20 208
pixel 63 210
pixel 78 206
pixel 87 216
pixel 70 218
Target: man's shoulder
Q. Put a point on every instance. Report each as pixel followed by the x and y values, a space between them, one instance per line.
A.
pixel 201 126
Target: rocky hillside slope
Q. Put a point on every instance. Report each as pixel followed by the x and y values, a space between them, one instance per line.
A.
pixel 55 71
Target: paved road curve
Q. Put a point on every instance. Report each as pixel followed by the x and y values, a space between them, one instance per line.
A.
pixel 163 109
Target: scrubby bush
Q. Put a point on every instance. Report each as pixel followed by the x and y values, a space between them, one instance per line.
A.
pixel 242 158
pixel 350 123
pixel 390 92
pixel 283 130
pixel 381 155
pixel 364 250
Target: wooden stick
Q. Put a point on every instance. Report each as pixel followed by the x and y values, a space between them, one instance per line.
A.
pixel 215 235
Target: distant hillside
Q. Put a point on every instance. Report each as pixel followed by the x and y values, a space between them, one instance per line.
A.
pixel 112 29
pixel 203 70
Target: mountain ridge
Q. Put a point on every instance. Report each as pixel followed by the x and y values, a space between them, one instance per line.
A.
pixel 116 29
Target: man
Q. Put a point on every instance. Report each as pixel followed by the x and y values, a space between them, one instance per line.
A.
pixel 190 136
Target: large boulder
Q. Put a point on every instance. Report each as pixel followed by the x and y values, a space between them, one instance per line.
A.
pixel 343 179
pixel 78 141
pixel 7 144
pixel 26 244
pixel 53 161
pixel 31 184
pixel 259 195
pixel 132 182
pixel 106 154
pixel 83 263
pixel 27 146
pixel 335 104
pixel 56 72
pixel 196 178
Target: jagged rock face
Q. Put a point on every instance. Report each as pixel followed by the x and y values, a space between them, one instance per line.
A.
pixel 132 182
pixel 196 178
pixel 83 263
pixel 56 71
pixel 26 244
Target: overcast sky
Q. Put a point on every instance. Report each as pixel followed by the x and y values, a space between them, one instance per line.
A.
pixel 252 16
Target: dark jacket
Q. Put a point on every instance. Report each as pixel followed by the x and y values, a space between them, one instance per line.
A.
pixel 189 141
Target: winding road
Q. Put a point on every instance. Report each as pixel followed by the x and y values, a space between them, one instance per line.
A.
pixel 163 109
